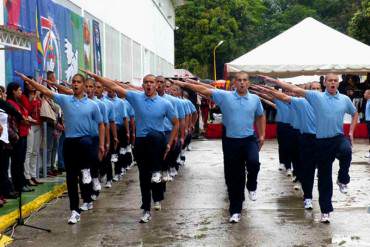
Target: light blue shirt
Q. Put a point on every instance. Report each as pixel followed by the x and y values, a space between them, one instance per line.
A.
pixel 80 115
pixel 119 109
pixel 110 109
pixel 178 110
pixel 103 109
pixel 367 112
pixel 130 111
pixel 294 119
pixel 283 114
pixel 191 106
pixel 329 111
pixel 186 106
pixel 305 114
pixel 238 112
pixel 150 113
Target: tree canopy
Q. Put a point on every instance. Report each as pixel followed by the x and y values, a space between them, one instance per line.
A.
pixel 245 24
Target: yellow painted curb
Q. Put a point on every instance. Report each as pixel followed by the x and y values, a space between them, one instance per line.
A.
pixel 5 240
pixel 27 209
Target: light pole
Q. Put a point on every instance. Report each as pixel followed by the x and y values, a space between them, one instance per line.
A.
pixel 214 58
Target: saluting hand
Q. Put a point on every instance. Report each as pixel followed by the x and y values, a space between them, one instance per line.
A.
pixel 89 73
pixel 22 76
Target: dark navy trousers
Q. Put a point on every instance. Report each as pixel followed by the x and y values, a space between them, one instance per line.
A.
pixel 149 153
pixel 240 153
pixel 327 150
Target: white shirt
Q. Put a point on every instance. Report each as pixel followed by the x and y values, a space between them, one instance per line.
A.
pixel 4 123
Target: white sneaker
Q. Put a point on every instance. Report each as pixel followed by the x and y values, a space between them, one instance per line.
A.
pixel 94 197
pixel 157 206
pixel 325 218
pixel 156 177
pixel 86 176
pixel 252 195
pixel 116 178
pixel 123 171
pixel 173 172
pixel 96 184
pixel 343 188
pixel 308 204
pixel 235 218
pixel 114 158
pixel 108 184
pixel 122 151
pixel 289 172
pixel 188 148
pixel 75 217
pixel 128 149
pixel 166 177
pixel 367 156
pixel 146 217
pixel 86 206
pixel 281 167
pixel 103 179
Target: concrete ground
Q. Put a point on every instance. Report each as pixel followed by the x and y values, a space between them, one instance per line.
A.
pixel 195 210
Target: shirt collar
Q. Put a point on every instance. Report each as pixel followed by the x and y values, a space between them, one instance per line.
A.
pixel 246 96
pixel 147 98
pixel 83 99
pixel 327 94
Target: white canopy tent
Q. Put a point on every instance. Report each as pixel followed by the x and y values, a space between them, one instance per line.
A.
pixel 308 48
pixel 301 79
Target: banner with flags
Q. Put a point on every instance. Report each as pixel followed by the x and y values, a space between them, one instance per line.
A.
pixel 59 39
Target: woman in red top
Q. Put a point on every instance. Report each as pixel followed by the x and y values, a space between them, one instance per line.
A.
pixel 32 102
pixel 18 154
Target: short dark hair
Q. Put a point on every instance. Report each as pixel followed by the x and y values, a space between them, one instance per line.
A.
pixel 49 73
pixel 81 76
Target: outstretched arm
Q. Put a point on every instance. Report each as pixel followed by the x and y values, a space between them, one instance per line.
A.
pixel 196 88
pixel 107 83
pixel 44 90
pixel 275 93
pixel 297 90
pixel 200 83
pixel 61 89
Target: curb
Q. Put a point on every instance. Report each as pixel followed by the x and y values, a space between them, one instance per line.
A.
pixel 27 209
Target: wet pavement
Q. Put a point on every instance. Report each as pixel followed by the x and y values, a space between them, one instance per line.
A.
pixel 195 210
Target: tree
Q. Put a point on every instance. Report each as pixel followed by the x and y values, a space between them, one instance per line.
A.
pixel 245 24
pixel 359 26
pixel 202 24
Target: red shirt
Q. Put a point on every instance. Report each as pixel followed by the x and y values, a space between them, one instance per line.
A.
pixel 33 107
pixel 23 128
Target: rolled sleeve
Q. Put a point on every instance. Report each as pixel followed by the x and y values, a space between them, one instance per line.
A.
pixel 97 116
pixel 351 109
pixel 170 113
pixel 217 96
pixel 259 109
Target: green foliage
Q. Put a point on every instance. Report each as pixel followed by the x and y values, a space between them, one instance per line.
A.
pixel 245 24
pixel 359 26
